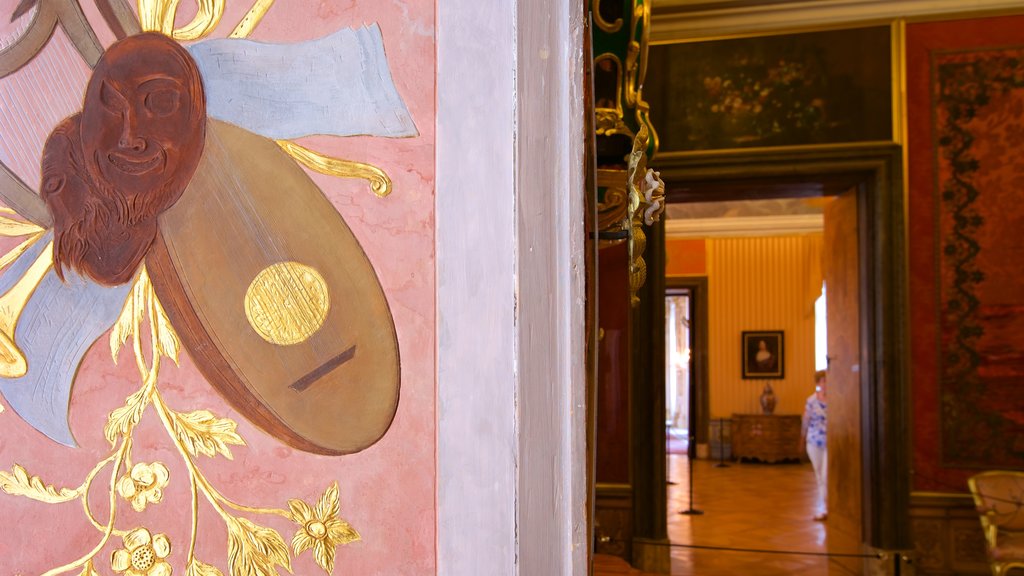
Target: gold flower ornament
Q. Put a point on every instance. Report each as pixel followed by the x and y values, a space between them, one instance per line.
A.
pixel 321 528
pixel 144 484
pixel 142 555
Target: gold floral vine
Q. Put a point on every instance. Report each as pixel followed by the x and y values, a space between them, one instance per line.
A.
pixel 253 550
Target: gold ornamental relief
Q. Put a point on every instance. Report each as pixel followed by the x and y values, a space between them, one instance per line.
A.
pixel 287 303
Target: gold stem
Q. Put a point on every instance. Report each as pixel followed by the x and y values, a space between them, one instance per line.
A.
pixel 207 17
pixel 86 487
pixel 195 519
pixel 164 412
pixel 109 529
pixel 380 183
pixel 150 394
pixel 140 360
pixel 252 510
pixel 252 19
pixel 204 484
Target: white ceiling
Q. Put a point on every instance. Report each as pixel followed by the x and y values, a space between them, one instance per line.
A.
pixel 781 217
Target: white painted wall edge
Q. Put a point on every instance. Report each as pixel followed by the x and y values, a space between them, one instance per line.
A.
pixel 551 310
pixel 673 20
pixel 477 438
pixel 746 226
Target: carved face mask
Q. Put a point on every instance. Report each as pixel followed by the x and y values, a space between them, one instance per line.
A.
pixel 64 186
pixel 143 124
pixel 66 189
pixel 88 238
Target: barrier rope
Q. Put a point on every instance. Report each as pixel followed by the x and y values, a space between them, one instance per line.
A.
pixel 876 556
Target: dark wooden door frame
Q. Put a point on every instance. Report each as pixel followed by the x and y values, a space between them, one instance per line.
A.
pixel 875 171
pixel 698 287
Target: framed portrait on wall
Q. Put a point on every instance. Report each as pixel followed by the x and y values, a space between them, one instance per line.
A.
pixel 763 355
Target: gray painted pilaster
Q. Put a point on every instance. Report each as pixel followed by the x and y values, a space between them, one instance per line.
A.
pixel 477 435
pixel 510 330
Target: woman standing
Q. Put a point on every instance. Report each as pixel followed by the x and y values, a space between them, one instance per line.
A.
pixel 813 435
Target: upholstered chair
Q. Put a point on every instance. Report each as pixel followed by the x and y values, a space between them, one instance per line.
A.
pixel 999 498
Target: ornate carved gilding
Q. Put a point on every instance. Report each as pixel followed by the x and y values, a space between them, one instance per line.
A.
pixel 607 15
pixel 610 123
pixel 646 202
pixel 611 211
pixel 618 44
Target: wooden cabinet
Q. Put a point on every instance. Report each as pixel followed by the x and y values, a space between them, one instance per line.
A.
pixel 766 437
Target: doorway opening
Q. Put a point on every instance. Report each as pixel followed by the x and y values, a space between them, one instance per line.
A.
pixel 757 256
pixel 869 175
pixel 678 370
pixel 865 180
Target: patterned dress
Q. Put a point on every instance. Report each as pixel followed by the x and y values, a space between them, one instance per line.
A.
pixel 815 423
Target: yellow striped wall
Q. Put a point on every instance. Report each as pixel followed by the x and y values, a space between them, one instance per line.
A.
pixel 761 283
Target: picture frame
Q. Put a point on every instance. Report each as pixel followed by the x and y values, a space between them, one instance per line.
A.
pixel 764 355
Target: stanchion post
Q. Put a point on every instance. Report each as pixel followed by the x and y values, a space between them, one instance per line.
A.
pixel 721 445
pixel 690 449
pixel 668 441
pixel 691 446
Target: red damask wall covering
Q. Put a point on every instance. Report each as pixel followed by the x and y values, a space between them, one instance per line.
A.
pixel 965 82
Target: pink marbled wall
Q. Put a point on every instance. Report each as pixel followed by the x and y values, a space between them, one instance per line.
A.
pixel 388 490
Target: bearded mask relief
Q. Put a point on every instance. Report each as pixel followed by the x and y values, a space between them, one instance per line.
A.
pixel 138 143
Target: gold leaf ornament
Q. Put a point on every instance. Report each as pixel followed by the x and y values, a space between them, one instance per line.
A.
pixel 201 432
pixel 139 304
pixel 12 227
pixel 124 327
pixel 123 419
pixel 18 482
pixel 89 570
pixel 254 550
pixel 18 250
pixel 197 568
pixel 167 342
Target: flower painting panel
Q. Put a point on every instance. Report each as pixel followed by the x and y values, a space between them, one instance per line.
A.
pixel 216 273
pixel 811 88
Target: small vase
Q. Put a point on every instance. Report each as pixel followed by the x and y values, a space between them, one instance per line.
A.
pixel 768 399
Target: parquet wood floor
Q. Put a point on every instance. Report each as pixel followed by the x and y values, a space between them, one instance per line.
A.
pixel 752 506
